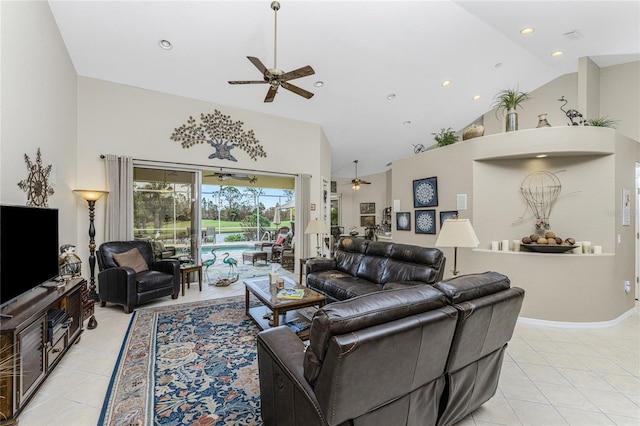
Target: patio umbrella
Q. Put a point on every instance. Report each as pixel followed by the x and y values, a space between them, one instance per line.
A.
pixel 276 214
pixel 289 205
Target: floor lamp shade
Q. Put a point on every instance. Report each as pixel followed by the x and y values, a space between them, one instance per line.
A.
pixel 457 233
pixel 316 226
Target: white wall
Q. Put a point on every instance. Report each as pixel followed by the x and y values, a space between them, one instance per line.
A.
pixel 38 104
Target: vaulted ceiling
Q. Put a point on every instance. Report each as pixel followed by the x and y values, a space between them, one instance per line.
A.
pixel 382 62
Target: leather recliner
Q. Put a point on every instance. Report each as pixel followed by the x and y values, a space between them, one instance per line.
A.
pixel 424 355
pixel 372 359
pixel 123 286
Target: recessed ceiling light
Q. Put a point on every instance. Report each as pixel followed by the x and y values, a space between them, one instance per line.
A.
pixel 541 155
pixel 318 84
pixel 406 123
pixel 446 83
pixel 476 97
pixel 557 53
pixel 391 96
pixel 165 44
pixel 526 31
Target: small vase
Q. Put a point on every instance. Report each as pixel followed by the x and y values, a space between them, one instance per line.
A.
pixel 473 131
pixel 512 120
pixel 542 121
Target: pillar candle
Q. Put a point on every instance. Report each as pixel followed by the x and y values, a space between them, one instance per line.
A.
pixel 515 245
pixel 597 249
pixel 586 247
pixel 578 248
pixel 505 245
pixel 494 245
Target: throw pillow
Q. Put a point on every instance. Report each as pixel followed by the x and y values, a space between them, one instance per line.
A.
pixel 131 259
pixel 280 241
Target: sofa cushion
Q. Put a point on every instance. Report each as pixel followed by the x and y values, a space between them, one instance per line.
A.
pixel 340 285
pixel 361 312
pixel 472 286
pixel 131 259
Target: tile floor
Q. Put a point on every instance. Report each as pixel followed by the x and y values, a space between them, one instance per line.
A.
pixel 551 376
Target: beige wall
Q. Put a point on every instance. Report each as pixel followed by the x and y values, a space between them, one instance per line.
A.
pixel 593 165
pixel 612 91
pixel 377 193
pixel 38 104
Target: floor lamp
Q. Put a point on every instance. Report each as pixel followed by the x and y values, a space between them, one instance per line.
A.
pixel 316 226
pixel 91 197
pixel 457 233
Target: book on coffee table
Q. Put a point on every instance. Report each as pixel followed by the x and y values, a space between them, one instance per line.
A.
pixel 290 293
pixel 298 324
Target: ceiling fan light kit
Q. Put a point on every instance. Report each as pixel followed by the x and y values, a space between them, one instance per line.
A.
pixel 276 77
pixel 355 182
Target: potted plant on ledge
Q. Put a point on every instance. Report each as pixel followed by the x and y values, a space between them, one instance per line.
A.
pixel 508 100
pixel 445 137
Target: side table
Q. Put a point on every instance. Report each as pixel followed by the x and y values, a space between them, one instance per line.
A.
pixel 185 270
pixel 303 262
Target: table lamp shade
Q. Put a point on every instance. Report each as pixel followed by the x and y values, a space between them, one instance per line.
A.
pixel 457 233
pixel 316 226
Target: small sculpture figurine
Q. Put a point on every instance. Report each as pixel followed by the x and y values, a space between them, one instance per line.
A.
pixel 572 113
pixel 69 264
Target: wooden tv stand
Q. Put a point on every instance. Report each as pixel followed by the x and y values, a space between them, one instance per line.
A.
pixel 25 347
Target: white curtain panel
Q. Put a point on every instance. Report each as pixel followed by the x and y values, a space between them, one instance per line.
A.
pixel 119 216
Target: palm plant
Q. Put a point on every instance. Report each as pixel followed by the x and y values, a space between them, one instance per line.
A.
pixel 603 122
pixel 509 99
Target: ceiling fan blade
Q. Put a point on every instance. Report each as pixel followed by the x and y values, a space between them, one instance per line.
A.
pixel 297 90
pixel 271 94
pixel 248 82
pixel 258 64
pixel 300 72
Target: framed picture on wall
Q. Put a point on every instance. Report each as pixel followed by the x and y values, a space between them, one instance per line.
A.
pixel 425 192
pixel 403 221
pixel 425 221
pixel 367 221
pixel 367 208
pixel 447 215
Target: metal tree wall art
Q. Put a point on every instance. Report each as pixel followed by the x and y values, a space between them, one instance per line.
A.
pixel 37 183
pixel 223 134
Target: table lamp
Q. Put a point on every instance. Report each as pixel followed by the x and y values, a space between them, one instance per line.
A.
pixel 316 226
pixel 457 233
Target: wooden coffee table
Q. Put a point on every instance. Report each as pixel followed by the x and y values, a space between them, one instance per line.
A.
pixel 266 293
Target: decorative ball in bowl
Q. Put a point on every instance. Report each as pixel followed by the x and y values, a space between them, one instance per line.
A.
pixel 548 243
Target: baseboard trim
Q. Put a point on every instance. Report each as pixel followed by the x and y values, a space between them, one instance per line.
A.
pixel 562 324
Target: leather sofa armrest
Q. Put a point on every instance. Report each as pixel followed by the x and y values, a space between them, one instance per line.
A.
pixel 402 284
pixel 317 264
pixel 286 396
pixel 111 281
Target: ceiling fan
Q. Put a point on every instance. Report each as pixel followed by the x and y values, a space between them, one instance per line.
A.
pixel 276 77
pixel 221 176
pixel 355 182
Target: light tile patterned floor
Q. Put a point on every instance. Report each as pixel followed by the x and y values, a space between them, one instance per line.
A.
pixel 551 376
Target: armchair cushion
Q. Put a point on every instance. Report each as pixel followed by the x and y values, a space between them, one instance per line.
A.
pixel 131 259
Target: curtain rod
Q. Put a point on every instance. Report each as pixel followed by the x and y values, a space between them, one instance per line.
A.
pixel 222 168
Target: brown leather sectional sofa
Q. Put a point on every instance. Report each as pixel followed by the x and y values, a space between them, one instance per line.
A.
pixel 419 355
pixel 361 266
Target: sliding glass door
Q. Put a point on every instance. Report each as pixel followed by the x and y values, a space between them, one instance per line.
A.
pixel 166 208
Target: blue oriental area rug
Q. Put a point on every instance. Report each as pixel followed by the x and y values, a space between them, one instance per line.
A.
pixel 188 364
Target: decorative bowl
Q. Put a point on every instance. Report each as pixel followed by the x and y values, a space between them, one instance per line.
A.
pixel 543 248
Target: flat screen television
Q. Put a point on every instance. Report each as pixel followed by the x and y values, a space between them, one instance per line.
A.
pixel 28 249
